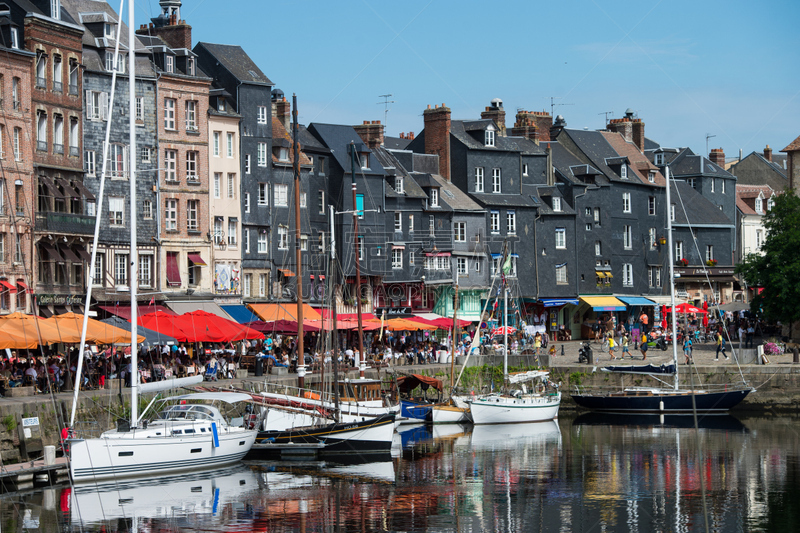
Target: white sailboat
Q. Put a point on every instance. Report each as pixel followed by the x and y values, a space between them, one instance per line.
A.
pixel 182 437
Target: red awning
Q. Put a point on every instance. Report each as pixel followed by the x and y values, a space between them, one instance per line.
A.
pixel 7 285
pixel 437 254
pixel 20 283
pixel 173 272
pixel 286 272
pixel 196 259
pixel 321 276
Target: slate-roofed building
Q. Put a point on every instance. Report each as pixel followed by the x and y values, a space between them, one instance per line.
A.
pixel 111 273
pixel 761 169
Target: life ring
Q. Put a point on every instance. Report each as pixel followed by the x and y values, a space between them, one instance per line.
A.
pixel 539 388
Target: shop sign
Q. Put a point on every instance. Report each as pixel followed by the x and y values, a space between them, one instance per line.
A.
pixel 393 312
pixel 60 299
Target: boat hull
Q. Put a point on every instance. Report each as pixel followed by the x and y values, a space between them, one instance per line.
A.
pixel 128 456
pixel 450 414
pixel 367 436
pixel 415 411
pixel 498 409
pixel 663 401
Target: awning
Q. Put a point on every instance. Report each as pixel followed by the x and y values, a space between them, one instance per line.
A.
pixel 438 281
pixel 196 259
pixel 23 286
pixel 600 274
pixel 7 286
pixel 283 311
pixel 52 253
pixel 50 186
pixel 603 303
pixel 173 272
pixel 286 272
pixel 240 313
pixel 68 254
pixel 636 300
pixel 437 254
pixel 398 247
pixel 664 299
pixel 200 305
pixel 83 190
pixel 82 253
pixel 609 275
pixel 557 302
pixel 124 311
pixel 68 189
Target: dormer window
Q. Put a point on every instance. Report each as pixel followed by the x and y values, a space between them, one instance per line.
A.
pixel 55 9
pixel 110 62
pixel 283 154
pixel 221 105
pixel 556 204
pixel 659 159
pixel 759 206
pixel 434 197
pixel 169 63
pixel 14 38
pixel 108 30
pixel 190 66
pixel 489 139
pixel 770 204
pixel 651 176
pixel 623 172
pixel 398 184
pixel 364 158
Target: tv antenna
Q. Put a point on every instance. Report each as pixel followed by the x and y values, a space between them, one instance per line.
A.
pixel 385 103
pixel 606 113
pixel 708 136
pixel 553 104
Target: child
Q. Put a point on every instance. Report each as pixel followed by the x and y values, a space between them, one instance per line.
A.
pixel 553 350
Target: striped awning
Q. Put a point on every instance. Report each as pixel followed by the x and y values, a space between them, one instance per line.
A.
pixel 604 303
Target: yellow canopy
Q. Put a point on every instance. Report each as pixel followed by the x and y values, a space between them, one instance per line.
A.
pixel 25 326
pixel 401 324
pixel 283 311
pixel 604 303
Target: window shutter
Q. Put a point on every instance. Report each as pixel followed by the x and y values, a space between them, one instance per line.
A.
pixel 89 108
pixel 104 106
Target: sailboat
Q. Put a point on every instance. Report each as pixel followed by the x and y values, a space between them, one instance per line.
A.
pixel 664 399
pixel 519 404
pixel 182 437
pixel 454 410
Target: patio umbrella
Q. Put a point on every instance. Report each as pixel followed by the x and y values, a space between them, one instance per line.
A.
pixel 284 327
pixel 151 337
pixel 163 323
pixel 401 324
pixel 503 330
pixel 686 308
pixel 25 326
pixel 202 326
pixel 96 331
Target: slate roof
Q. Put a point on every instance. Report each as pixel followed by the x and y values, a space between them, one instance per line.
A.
pixel 392 166
pixel 771 167
pixel 699 209
pixel 503 200
pixel 30 7
pixel 687 163
pixel 454 197
pixel 337 137
pixel 279 133
pixel 309 141
pixel 567 165
pixel 538 198
pixel 597 149
pixel 236 61
pixel 793 146
pixel 395 143
pixel 459 129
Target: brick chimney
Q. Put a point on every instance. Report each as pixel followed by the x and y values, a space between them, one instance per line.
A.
pixel 768 153
pixel 631 128
pixel 533 125
pixel 437 136
pixel 371 133
pixel 498 114
pixel 169 26
pixel 557 127
pixel 282 110
pixel 717 156
pixel 638 134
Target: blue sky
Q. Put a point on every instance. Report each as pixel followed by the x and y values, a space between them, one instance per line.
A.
pixel 724 68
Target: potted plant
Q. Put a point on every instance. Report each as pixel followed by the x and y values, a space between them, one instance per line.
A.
pixel 682 262
pixel 711 262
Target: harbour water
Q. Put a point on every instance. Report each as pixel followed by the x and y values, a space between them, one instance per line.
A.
pixel 584 474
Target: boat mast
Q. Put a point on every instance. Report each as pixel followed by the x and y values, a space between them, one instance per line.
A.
pixel 133 277
pixel 453 345
pixel 334 333
pixel 671 279
pixel 301 367
pixel 361 359
pixel 505 329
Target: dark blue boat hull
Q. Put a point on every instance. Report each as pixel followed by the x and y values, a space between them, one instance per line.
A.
pixel 708 402
pixel 419 411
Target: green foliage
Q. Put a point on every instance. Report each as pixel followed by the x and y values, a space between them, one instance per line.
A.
pixel 777 271
pixel 576 378
pixel 10 423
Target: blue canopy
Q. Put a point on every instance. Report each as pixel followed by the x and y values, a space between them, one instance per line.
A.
pixel 240 313
pixel 636 300
pixel 556 302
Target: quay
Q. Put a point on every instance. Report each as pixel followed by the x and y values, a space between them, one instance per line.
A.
pixel 36 473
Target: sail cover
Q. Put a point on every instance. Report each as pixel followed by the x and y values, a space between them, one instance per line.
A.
pixel 640 369
pixel 526 376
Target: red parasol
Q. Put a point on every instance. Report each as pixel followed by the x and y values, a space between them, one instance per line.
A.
pixel 502 330
pixel 687 308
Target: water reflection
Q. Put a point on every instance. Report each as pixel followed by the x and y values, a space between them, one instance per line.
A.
pixel 584 474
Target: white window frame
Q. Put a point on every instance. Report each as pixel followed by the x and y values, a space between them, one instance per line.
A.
pixel 494 222
pixel 171 214
pixel 479 177
pixel 626 202
pixel 169 113
pixel 462 267
pixel 217 185
pixel 233 232
pixel 89 162
pixel 460 232
pixel 627 237
pixel 192 208
pixel 215 147
pixel 231 185
pixel 678 250
pixel 434 197
pixel 398 221
pixel 598 248
pixel 709 252
pixel 192 158
pixel 170 165
pixel 561 275
pixel 497 183
pixel 281 195
pixel 263 242
pixel 397 258
pixel 191 115
pixel 651 205
pixel 116 211
pixel 489 137
pixel 263 193
pixel 262 114
pixel 561 238
pixel 398 185
pixel 283 238
pixel 511 222
pixel 627 275
pixel 262 154
pixel 247 163
pixel 556 204
pixel 230 144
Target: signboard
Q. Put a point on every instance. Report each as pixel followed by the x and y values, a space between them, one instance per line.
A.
pixel 60 299
pixel 711 271
pixel 28 422
pixel 393 312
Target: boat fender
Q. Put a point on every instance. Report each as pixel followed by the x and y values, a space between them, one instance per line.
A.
pixel 214 434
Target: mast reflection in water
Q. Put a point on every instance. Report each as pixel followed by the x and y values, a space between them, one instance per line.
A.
pixel 590 473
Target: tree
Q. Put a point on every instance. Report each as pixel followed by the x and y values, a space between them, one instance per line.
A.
pixel 777 271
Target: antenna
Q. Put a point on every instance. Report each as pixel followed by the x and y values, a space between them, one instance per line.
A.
pixel 553 104
pixel 606 113
pixel 708 136
pixel 385 103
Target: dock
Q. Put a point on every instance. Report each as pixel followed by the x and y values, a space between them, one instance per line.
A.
pixel 31 474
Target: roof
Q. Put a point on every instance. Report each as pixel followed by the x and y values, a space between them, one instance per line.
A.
pixel 793 146
pixel 687 163
pixel 454 197
pixel 279 133
pixel 308 141
pixel 638 162
pixel 503 200
pixel 395 143
pixel 392 166
pixel 93 11
pixel 460 128
pixel 693 208
pixel 597 149
pixel 337 137
pixel 539 193
pixel 746 197
pixel 568 166
pixel 236 61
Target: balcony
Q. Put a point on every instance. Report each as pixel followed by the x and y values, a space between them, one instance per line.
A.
pixel 58 87
pixel 65 223
pixel 41 82
pixel 73 89
pixel 58 148
pixel 41 146
pixel 73 151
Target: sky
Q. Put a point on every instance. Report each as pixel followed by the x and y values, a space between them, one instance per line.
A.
pixel 688 69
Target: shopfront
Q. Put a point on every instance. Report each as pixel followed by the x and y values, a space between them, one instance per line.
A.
pixel 592 308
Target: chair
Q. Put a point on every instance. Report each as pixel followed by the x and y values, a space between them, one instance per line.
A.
pixel 211 372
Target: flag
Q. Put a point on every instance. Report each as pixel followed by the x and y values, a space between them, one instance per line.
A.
pixel 507 265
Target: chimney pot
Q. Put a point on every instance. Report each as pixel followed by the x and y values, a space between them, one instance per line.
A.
pixel 768 153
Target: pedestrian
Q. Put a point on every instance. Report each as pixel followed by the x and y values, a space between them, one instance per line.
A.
pixel 644 319
pixel 720 346
pixel 750 333
pixel 624 341
pixel 611 347
pixel 687 348
pixel 643 349
pixel 537 343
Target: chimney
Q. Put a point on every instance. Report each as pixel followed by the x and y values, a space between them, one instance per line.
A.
pixel 283 112
pixel 638 134
pixel 533 125
pixel 169 26
pixel 437 136
pixel 717 156
pixel 498 114
pixel 557 126
pixel 371 133
pixel 768 153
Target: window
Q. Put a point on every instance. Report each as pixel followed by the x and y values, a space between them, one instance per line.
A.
pixel 709 252
pixel 770 204
pixel 17 146
pixel 73 76
pixel 360 205
pixel 626 202
pixel 147 210
pixel 145 270
pixel 171 215
pixel 678 250
pixel 58 74
pixel 431 226
pixel 229 152
pixel 494 221
pixel 41 69
pixel 460 231
pixel 597 215
pixel 246 239
pixel 652 238
pixel 263 194
pixel 651 205
pixel 41 131
pixel 283 238
pixel 759 206
pixel 98 275
pixel 2 198
pixel 2 247
pixel 233 231
pixel 651 176
pixel 145 154
pixel 191 167
pixel 73 137
pixel 231 185
pixel 659 159
pixel 722 186
pixel 281 195
pixel 262 242
pixel 217 184
pixel 262 154
pixel 411 257
pixel 215 145
pixel 121 269
pixel 247 202
pixel 598 248
pixel 398 184
pixel 89 162
pixel 654 276
pixel 55 9
pixel 461 266
pixel 304 244
pixel 478 179
pixel 248 281
pixel 190 66
pixel 398 221
pixel 525 169
pixel 434 197
pixel 14 38
pixel 759 238
pixel 411 223
pixel 191 116
pixel 221 105
pixel 58 134
pixel 489 137
pixel 169 63
pixel 321 202
pixel 364 157
pixel 672 212
pixel 561 238
pixel 303 200
pixel 262 284
pixel 117 160
pixel 623 172
pixel 511 221
pixel 712 181
pixel 627 237
pixel 218 230
pixel 561 274
pixel 397 258
pixel 262 114
pixel 139 108
pixel 627 275
pixel 496 185
pixel 116 210
pixel 170 165
pixel 556 204
pixel 169 113
pixel 191 215
pixel 360 248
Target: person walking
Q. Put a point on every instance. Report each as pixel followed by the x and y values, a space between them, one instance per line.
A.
pixel 720 346
pixel 643 349
pixel 611 347
pixel 687 349
pixel 624 342
pixel 644 319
